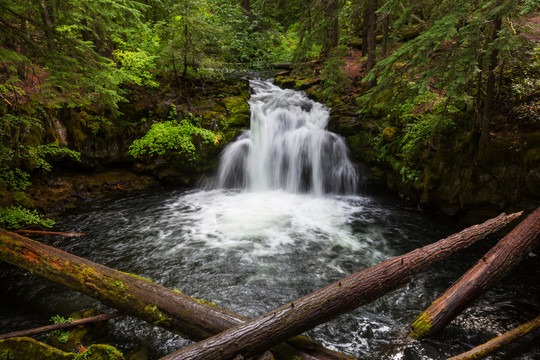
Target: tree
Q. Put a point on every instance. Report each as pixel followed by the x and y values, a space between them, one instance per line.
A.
pixel 67 48
pixel 458 54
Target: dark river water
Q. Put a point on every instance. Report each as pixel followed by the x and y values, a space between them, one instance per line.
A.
pixel 282 219
pixel 251 252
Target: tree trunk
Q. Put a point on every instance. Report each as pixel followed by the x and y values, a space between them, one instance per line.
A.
pixel 487 272
pixel 386 31
pixel 371 40
pixel 46 18
pixel 246 5
pixel 365 26
pixel 260 334
pixel 136 296
pixel 490 91
pixel 331 35
pixel 495 344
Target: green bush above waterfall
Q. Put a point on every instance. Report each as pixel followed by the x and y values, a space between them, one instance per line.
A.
pixel 179 137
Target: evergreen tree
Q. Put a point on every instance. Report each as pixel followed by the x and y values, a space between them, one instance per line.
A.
pixel 459 54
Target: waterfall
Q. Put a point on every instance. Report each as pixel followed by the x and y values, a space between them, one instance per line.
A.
pixel 287 147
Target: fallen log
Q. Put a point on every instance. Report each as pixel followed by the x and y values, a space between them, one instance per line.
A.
pixel 59 326
pixel 259 334
pixel 495 344
pixel 41 232
pixel 138 297
pixel 487 272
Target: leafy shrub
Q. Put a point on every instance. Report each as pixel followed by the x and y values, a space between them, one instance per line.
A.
pixel 172 137
pixel 17 217
pixel 15 179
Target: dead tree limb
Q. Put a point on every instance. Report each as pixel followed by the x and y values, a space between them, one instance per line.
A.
pixel 138 297
pixel 487 272
pixel 495 344
pixel 41 232
pixel 64 325
pixel 259 334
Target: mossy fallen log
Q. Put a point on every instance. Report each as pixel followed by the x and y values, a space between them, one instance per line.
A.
pixel 260 334
pixel 495 344
pixel 487 272
pixel 139 297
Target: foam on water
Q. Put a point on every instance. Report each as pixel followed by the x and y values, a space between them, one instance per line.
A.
pixel 266 223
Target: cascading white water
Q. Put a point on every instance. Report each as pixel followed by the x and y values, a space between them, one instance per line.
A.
pixel 287 147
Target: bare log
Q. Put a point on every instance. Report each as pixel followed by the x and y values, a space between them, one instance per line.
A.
pixel 41 232
pixel 259 334
pixel 64 325
pixel 138 297
pixel 495 344
pixel 487 272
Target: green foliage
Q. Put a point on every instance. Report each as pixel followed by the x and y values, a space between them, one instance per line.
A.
pixel 333 79
pixel 62 336
pixel 138 65
pixel 17 217
pixel 15 179
pixel 425 122
pixel 172 136
pixel 452 54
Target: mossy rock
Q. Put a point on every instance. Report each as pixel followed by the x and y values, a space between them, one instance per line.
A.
pixel 345 125
pixel 532 157
pixel 390 133
pixel 533 182
pixel 143 353
pixel 238 120
pixel 533 139
pixel 285 82
pixel 236 105
pixel 24 348
pixel 102 352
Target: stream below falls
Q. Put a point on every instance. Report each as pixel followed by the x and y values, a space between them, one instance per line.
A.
pixel 282 218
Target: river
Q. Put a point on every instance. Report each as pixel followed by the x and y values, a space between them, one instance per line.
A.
pixel 283 217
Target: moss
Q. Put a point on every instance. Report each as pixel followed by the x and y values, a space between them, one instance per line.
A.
pixel 137 276
pixel 102 352
pixel 238 120
pixel 421 326
pixel 27 348
pixel 143 353
pixel 202 301
pixel 236 105
pixel 22 199
pixel 532 157
pixel 533 139
pixel 390 133
pixel 155 315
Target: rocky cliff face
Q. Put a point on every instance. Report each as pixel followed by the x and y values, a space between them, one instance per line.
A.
pixel 103 139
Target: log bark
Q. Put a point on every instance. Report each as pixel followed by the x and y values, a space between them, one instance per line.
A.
pixel 495 344
pixel 487 272
pixel 138 297
pixel 257 335
pixel 64 325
